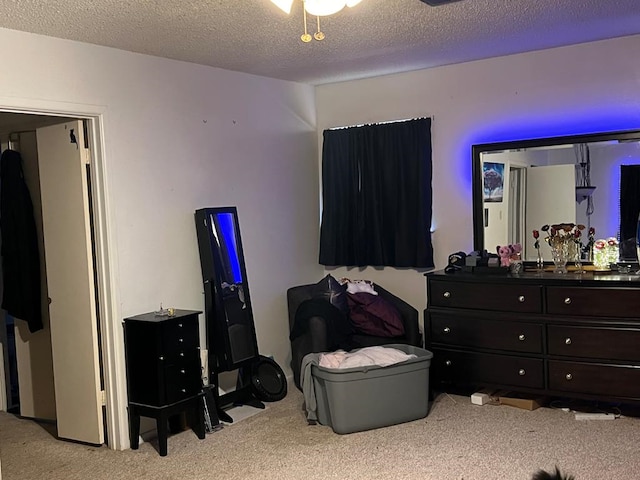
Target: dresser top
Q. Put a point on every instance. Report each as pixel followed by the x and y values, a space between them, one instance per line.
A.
pixel 154 317
pixel 588 279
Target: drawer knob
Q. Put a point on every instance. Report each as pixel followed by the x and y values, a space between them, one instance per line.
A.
pixel 446 294
pixel 521 298
pixel 447 329
pixel 183 390
pixel 567 301
pixel 180 325
pixel 183 371
pixel 448 363
pixel 181 340
pixel 568 376
pixel 521 337
pixel 521 372
pixel 182 354
pixel 161 357
pixel 567 340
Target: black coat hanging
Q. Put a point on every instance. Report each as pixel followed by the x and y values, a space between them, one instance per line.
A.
pixel 20 257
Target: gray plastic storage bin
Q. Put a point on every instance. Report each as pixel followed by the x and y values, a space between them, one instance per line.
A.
pixel 356 399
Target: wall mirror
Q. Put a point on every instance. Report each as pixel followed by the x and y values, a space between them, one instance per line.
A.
pixel 231 335
pixel 593 179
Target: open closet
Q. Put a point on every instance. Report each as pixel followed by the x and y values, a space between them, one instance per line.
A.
pixel 55 373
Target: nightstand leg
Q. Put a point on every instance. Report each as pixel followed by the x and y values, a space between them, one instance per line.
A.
pixel 134 429
pixel 199 414
pixel 163 432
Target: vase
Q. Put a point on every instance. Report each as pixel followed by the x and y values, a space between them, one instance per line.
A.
pixel 539 261
pixel 560 255
pixel 577 255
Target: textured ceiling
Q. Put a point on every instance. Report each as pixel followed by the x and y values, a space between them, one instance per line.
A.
pixel 376 37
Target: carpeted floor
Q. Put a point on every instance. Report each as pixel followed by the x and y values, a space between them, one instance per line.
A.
pixel 457 440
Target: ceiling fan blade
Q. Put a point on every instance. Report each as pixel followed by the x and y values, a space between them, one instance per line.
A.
pixel 435 3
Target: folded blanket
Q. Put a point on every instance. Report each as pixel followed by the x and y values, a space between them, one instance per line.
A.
pixel 379 356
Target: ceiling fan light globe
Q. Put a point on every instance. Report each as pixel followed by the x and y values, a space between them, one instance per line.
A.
pixel 284 5
pixel 322 8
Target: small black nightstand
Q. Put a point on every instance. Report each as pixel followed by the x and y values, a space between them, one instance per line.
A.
pixel 164 374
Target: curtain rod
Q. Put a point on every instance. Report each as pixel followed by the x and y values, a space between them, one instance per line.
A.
pixel 381 123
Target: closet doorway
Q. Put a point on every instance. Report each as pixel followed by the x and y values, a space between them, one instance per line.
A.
pixel 59 368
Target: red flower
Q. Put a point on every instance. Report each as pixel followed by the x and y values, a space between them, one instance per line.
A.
pixel 592 231
pixel 536 234
pixel 577 234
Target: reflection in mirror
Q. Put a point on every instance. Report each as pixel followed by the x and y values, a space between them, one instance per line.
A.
pixel 593 180
pixel 230 325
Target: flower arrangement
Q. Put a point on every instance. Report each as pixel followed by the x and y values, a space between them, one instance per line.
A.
pixel 562 232
pixel 564 239
pixel 588 248
pixel 536 245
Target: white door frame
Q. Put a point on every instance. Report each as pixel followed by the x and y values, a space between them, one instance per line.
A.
pixel 110 326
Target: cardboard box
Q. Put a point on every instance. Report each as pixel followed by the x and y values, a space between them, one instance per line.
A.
pixel 525 401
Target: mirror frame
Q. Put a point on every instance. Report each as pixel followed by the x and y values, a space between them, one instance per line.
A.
pixel 476 168
pixel 219 341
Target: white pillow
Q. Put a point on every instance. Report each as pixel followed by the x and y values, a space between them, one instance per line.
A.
pixel 358 286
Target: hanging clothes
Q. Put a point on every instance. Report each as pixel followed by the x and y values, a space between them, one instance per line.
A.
pixel 20 257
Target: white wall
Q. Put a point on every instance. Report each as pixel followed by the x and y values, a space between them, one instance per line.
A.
pixel 179 137
pixel 577 89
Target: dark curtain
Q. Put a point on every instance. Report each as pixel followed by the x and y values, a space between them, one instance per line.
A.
pixel 629 209
pixel 20 257
pixel 376 195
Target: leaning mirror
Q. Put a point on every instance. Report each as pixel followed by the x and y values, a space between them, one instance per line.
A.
pixel 231 335
pixel 593 180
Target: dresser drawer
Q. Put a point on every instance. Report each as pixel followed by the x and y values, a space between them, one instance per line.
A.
pixel 479 368
pixel 476 332
pixel 182 381
pixel 480 296
pixel 594 342
pixel 593 302
pixel 595 379
pixel 180 335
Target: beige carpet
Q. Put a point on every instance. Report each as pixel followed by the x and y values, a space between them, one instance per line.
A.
pixel 456 441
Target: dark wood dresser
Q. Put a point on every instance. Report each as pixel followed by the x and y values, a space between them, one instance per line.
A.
pixel 164 374
pixel 566 335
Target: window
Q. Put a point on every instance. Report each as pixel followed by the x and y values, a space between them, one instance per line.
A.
pixel 376 189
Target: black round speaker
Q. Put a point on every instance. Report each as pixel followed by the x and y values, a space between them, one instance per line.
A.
pixel 267 380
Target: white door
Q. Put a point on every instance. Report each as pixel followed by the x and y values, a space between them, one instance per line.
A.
pixel 63 164
pixel 33 350
pixel 551 198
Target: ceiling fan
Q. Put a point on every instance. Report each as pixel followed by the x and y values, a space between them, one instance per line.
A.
pixel 322 8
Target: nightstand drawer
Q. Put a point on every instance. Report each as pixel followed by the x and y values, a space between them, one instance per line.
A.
pixel 594 342
pixel 480 296
pixel 181 335
pixel 593 302
pixel 490 334
pixel 452 366
pixel 595 379
pixel 182 381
